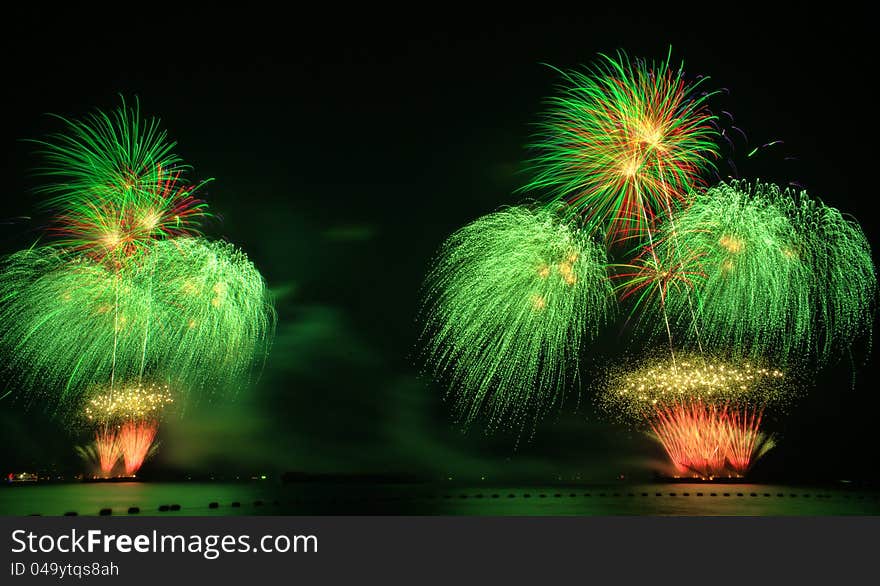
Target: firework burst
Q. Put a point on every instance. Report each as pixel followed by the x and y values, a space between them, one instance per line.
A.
pixel 635 394
pixel 511 300
pixel 753 297
pixel 127 402
pixel 708 441
pixel 217 314
pixel 127 419
pixel 624 142
pixel 655 276
pixel 68 323
pixel 114 185
pixel 126 291
pixel 136 443
pixel 843 284
pixel 102 454
pixel 780 275
pixel 705 412
pixel 192 311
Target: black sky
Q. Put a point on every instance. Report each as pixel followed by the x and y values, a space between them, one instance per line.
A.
pixel 346 147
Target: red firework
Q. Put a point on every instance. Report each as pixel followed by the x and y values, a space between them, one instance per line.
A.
pixel 108 450
pixel 656 273
pixel 709 441
pixel 745 443
pixel 126 217
pixel 135 440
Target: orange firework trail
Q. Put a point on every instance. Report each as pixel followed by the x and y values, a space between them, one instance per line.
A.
pixel 745 443
pixel 135 439
pixel 706 412
pixel 709 441
pixel 127 420
pixel 108 450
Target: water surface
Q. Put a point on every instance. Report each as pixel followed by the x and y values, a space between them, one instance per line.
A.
pixel 271 498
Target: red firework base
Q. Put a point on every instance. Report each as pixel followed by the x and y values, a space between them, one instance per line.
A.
pixel 708 442
pixel 132 442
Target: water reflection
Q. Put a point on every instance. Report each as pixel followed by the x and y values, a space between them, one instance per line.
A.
pixel 323 499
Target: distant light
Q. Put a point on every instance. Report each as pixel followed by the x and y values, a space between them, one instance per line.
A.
pixel 263 477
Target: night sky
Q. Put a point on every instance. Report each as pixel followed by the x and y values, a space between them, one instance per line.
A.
pixel 344 151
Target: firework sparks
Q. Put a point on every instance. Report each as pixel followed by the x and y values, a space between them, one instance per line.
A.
pixel 218 316
pixel 705 412
pixel 68 323
pixel 777 273
pixel 192 311
pixel 102 454
pixel 753 299
pixel 114 229
pixel 745 442
pixel 843 287
pixel 655 276
pixel 136 443
pixel 708 441
pixel 108 450
pixel 635 394
pixel 128 403
pixel 511 301
pixel 115 185
pixel 624 143
pixel 127 419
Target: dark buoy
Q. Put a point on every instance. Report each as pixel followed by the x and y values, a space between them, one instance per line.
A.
pixel 213 505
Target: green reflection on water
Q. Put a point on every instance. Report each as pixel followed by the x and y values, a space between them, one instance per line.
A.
pixel 320 499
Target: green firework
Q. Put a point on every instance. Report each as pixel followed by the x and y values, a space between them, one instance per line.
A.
pixel 103 155
pixel 771 273
pixel 67 323
pixel 216 311
pixel 192 312
pixel 843 279
pixel 114 185
pixel 623 142
pixel 753 295
pixel 511 300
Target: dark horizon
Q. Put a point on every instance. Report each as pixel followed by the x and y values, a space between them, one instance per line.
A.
pixel 344 153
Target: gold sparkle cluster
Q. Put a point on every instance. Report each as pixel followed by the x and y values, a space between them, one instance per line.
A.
pixel 564 268
pixel 127 403
pixel 689 378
